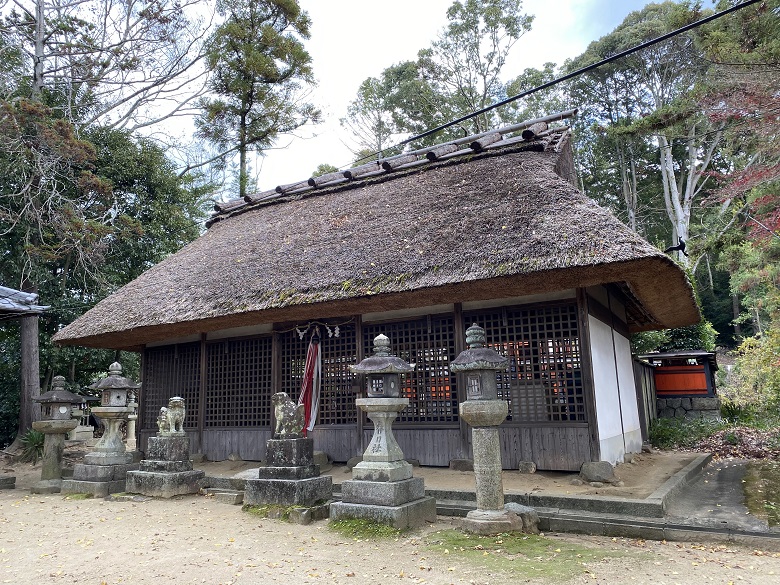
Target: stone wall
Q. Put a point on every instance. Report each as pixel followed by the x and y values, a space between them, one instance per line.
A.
pixel 692 407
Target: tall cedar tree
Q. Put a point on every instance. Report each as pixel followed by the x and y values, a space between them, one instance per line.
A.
pixel 259 70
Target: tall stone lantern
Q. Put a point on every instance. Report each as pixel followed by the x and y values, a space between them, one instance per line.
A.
pixel 56 423
pixel 382 488
pixel 113 409
pixel 104 470
pixel 484 412
pixel 383 457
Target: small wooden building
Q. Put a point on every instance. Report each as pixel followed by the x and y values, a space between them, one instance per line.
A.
pixel 681 374
pixel 489 230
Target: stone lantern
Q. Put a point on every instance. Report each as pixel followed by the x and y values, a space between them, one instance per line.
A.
pixel 57 422
pixel 382 488
pixel 484 412
pixel 113 409
pixel 383 372
pixel 105 468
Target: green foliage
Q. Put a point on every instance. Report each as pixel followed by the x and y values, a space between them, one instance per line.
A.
pixel 754 382
pixel 699 336
pixel 258 69
pixel 9 382
pixel 538 104
pixel 32 446
pixel 674 433
pixel 458 74
pixel 324 169
pixel 519 555
pixel 648 341
pixel 361 529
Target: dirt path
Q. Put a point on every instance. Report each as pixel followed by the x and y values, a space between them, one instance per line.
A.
pixel 53 540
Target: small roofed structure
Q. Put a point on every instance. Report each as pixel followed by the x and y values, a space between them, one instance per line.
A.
pixel 15 303
pixel 490 229
pixel 683 373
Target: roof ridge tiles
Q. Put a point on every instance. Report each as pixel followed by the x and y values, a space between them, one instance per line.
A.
pixel 533 130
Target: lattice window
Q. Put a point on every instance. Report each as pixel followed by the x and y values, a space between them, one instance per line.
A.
pixel 544 381
pixel 430 344
pixel 337 397
pixel 238 383
pixel 171 370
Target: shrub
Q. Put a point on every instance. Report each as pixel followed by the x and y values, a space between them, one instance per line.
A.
pixel 672 433
pixel 32 446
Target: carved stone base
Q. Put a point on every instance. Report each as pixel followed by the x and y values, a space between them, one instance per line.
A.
pixel 98 480
pixel 288 492
pixel 303 472
pixel 410 515
pixel 383 493
pixel 99 489
pixel 171 448
pixel 46 486
pixel 289 452
pixel 389 471
pixel 164 484
pixel 104 459
pixel 492 522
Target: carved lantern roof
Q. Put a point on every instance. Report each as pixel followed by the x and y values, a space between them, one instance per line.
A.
pixel 115 380
pixel 477 356
pixel 58 393
pixel 383 361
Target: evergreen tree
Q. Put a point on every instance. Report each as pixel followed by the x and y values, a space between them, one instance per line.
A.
pixel 259 69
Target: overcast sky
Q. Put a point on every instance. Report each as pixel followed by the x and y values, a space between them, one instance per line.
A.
pixel 355 39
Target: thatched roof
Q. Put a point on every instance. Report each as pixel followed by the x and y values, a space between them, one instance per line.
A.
pixel 488 224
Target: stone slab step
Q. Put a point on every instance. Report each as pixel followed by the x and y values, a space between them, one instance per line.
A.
pixel 225 496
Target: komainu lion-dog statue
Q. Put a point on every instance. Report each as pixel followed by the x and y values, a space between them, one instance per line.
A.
pixel 170 421
pixel 290 417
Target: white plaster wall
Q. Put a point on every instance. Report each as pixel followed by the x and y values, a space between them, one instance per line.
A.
pixel 605 380
pixel 631 426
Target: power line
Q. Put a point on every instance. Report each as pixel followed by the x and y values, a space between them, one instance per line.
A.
pixel 580 71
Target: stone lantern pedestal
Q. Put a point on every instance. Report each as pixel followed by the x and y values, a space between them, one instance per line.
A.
pixel 104 469
pixel 56 407
pixel 382 488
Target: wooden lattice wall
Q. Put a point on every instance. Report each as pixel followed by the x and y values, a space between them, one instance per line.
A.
pixel 171 370
pixel 429 343
pixel 238 383
pixel 544 380
pixel 337 396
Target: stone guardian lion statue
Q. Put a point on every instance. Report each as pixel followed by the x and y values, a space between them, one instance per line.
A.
pixel 290 417
pixel 170 421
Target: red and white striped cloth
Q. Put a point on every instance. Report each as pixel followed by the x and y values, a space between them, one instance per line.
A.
pixel 310 385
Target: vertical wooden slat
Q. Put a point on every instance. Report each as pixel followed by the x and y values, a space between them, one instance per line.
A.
pixel 360 341
pixel 587 374
pixel 202 390
pixel 460 384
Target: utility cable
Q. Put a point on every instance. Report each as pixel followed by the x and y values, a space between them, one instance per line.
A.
pixel 581 71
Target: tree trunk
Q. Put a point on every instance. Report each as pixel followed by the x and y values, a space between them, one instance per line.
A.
pixel 735 314
pixel 40 33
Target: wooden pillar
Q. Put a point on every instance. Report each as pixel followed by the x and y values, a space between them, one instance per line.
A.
pixel 203 365
pixel 587 374
pixel 360 354
pixel 29 410
pixel 460 386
